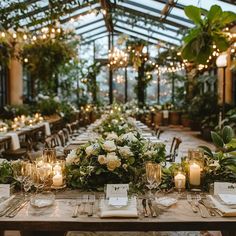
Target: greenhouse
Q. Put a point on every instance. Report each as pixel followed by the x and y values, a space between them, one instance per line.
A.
pixel 118 117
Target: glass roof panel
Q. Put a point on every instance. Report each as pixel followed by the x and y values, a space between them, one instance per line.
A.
pixel 90 27
pixel 136 35
pixel 151 34
pixel 93 32
pixel 149 27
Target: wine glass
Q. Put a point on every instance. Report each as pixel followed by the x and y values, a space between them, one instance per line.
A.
pixel 157 175
pixel 27 171
pixel 150 175
pixel 20 173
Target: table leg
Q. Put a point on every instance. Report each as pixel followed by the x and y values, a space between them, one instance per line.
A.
pixel 43 233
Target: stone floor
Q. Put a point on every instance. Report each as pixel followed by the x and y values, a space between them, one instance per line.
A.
pixel 190 139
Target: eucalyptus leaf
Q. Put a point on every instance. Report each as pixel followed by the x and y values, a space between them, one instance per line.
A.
pixel 227 134
pixel 217 140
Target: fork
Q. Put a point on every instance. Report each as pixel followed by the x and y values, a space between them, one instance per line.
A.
pixel 210 211
pixel 189 199
pixel 197 204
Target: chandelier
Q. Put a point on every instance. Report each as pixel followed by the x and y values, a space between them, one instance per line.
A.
pixel 117 58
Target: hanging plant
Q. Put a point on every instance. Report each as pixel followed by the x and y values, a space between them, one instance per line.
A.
pixel 208 31
pixel 46 56
pixel 5 51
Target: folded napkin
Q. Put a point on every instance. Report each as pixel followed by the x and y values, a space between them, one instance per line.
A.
pixel 47 128
pixel 129 211
pixel 228 199
pixel 15 142
pixel 224 210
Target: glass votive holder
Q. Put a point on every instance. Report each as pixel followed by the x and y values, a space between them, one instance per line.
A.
pixel 180 181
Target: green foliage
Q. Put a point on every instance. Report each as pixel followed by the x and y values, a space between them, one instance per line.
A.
pixel 46 57
pixel 11 111
pixel 198 44
pixel 48 106
pixel 220 165
pixel 5 52
pixel 6 173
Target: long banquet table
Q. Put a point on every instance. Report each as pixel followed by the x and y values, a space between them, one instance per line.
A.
pixel 57 219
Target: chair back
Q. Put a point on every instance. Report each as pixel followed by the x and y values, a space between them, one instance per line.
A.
pixel 62 138
pixel 174 148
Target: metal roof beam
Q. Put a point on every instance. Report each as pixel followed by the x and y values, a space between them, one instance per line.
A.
pixel 87 31
pixel 151 37
pixel 139 13
pixel 156 11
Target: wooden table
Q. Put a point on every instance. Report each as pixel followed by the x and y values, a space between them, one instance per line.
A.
pixel 56 220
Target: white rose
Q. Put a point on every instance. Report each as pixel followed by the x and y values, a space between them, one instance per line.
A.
pixel 129 137
pixel 71 157
pixel 114 121
pixel 112 161
pixel 112 136
pixel 102 159
pixel 92 149
pixel 109 146
pixel 125 151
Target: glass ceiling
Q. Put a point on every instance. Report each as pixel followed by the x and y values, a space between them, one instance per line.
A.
pixel 156 21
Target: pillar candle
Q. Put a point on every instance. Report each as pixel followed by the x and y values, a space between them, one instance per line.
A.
pixel 194 174
pixel 57 180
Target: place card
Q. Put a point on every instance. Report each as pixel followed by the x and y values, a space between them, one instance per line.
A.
pixel 5 190
pixel 224 187
pixel 118 201
pixel 117 190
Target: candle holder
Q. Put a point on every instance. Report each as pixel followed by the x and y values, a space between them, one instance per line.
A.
pixel 180 181
pixel 196 166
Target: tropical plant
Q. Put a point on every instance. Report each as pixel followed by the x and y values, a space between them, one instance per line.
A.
pixel 221 164
pixel 208 31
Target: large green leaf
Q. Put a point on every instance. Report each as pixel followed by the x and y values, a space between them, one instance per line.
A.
pixel 227 134
pixel 214 13
pixel 187 52
pixel 227 17
pixel 193 13
pixel 221 42
pixel 193 33
pixel 203 54
pixel 207 151
pixel 217 140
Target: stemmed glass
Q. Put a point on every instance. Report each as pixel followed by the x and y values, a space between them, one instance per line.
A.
pixel 153 175
pixel 19 171
pixel 150 175
pixel 157 174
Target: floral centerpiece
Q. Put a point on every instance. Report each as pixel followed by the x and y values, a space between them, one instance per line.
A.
pixel 113 159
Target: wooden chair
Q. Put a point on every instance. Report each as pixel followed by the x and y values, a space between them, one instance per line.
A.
pixel 173 149
pixel 158 132
pixel 20 153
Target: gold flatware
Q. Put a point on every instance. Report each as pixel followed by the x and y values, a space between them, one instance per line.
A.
pixel 209 209
pixel 145 207
pixel 15 210
pixel 76 210
pixel 189 200
pixel 153 212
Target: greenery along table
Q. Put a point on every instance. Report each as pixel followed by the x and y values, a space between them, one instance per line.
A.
pixel 57 219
